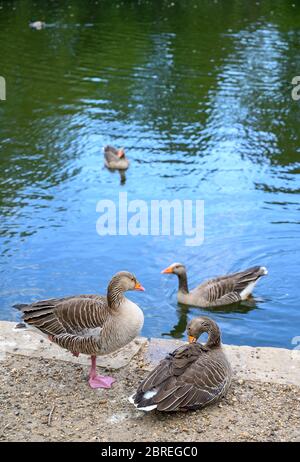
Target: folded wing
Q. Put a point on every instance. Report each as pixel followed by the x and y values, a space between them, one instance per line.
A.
pixel 186 379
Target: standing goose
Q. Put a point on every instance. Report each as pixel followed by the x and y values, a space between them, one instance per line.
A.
pixel 91 324
pixel 191 377
pixel 219 291
pixel 115 158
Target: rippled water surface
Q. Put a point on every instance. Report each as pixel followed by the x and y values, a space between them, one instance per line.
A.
pixel 199 94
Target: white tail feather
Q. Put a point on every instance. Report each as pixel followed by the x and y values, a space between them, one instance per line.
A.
pixel 148 395
pixel 148 408
pixel 248 290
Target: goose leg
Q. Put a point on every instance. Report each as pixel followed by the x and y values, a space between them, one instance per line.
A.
pixel 99 381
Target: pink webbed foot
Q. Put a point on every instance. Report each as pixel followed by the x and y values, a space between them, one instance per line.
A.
pixel 100 381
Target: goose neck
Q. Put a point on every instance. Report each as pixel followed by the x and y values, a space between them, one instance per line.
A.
pixel 183 283
pixel 214 337
pixel 115 295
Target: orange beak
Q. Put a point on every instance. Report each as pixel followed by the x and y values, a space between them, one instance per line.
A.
pixel 192 339
pixel 167 270
pixel 139 287
pixel 121 153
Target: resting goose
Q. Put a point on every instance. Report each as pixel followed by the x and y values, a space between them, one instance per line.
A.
pixel 219 291
pixel 90 324
pixel 191 377
pixel 115 158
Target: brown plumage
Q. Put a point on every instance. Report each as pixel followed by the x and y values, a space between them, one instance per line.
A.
pixel 115 158
pixel 219 291
pixel 191 377
pixel 89 324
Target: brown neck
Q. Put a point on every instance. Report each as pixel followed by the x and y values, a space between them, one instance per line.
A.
pixel 114 294
pixel 182 283
pixel 214 336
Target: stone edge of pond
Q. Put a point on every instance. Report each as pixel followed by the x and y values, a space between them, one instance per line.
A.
pixel 265 364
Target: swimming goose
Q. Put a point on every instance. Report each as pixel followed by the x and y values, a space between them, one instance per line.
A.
pixel 90 324
pixel 115 158
pixel 191 377
pixel 219 291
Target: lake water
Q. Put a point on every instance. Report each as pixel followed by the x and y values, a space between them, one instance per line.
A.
pixel 199 94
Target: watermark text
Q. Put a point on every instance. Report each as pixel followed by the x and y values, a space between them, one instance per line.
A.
pixel 154 218
pixel 296 341
pixel 2 89
pixel 296 89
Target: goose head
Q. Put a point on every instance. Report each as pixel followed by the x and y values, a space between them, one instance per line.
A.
pixel 124 281
pixel 199 326
pixel 121 153
pixel 175 268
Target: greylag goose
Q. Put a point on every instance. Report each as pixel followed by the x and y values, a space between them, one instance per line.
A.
pixel 191 377
pixel 115 158
pixel 90 324
pixel 219 291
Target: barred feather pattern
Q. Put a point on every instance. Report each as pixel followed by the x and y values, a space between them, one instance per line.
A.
pixel 89 324
pixel 191 377
pixel 223 290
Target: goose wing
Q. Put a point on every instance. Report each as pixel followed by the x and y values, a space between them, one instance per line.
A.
pixel 69 321
pixel 111 154
pixel 188 378
pixel 229 289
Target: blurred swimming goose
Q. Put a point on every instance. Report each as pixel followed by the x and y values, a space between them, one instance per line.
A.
pixel 90 324
pixel 219 291
pixel 191 377
pixel 115 158
pixel 38 25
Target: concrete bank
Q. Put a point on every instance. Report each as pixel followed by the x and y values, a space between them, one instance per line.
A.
pixel 44 395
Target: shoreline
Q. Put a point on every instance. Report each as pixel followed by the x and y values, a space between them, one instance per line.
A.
pixel 46 397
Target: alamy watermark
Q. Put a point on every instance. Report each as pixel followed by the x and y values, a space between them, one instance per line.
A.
pixel 154 218
pixel 2 88
pixel 296 341
pixel 296 89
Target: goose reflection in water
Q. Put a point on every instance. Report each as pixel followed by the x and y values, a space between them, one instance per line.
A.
pixel 121 173
pixel 183 312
